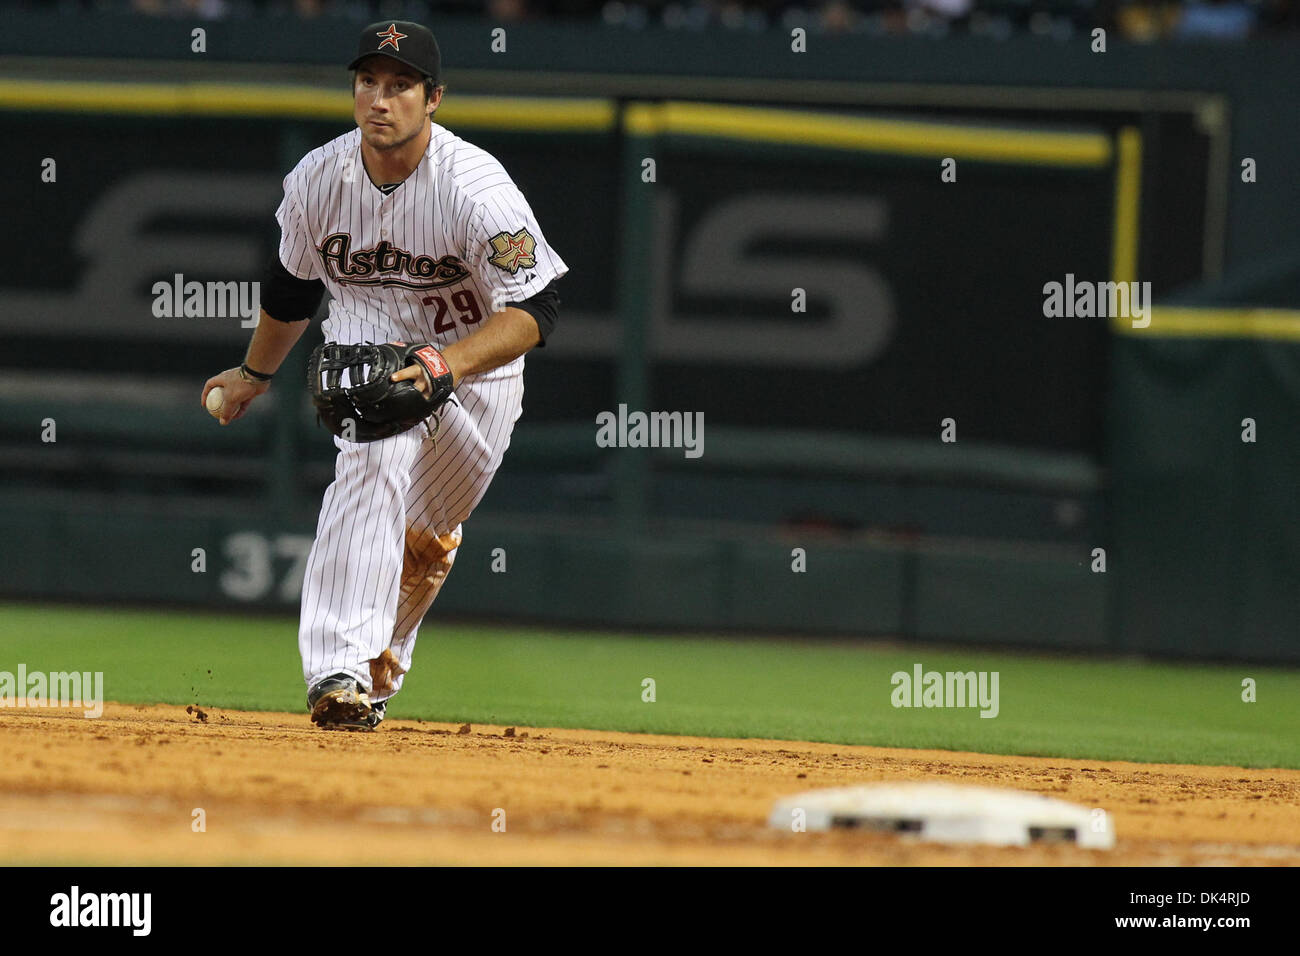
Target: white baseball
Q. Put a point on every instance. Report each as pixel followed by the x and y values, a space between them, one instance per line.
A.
pixel 216 398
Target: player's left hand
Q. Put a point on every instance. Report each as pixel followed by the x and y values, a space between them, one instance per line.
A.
pixel 419 374
pixel 416 373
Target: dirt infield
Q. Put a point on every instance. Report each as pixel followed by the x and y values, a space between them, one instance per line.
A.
pixel 273 789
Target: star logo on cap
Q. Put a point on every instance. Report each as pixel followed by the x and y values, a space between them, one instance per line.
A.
pixel 391 36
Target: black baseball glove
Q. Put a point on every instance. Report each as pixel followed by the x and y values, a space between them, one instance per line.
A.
pixel 354 396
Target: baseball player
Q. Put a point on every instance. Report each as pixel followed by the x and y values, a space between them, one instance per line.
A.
pixel 424 240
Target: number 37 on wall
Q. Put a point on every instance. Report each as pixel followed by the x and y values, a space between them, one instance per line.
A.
pixel 261 568
pixel 464 302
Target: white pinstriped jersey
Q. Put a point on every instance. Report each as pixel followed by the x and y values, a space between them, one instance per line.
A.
pixel 427 262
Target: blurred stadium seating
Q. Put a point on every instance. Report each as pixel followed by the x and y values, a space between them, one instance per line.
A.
pixel 1061 19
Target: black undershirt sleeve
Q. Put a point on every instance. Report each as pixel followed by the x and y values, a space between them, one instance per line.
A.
pixel 285 297
pixel 544 307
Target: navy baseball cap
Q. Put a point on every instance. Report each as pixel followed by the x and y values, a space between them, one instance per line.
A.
pixel 405 42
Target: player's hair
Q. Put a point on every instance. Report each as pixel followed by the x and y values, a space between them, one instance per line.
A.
pixel 430 84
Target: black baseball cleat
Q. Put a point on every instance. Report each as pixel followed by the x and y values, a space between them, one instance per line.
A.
pixel 341 703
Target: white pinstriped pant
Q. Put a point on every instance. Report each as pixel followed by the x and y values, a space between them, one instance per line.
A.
pixel 386 497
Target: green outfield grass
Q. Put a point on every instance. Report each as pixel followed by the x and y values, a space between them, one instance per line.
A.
pixel 797 689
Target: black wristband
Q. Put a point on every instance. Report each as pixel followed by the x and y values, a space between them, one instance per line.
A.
pixel 260 376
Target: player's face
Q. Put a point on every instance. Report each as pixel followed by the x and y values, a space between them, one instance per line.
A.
pixel 388 103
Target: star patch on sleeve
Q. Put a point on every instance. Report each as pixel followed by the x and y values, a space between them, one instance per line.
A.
pixel 513 252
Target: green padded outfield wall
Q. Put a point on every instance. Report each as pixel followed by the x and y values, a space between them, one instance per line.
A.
pixel 1201 532
pixel 1206 555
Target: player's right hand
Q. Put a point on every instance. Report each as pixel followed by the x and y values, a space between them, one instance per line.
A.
pixel 239 394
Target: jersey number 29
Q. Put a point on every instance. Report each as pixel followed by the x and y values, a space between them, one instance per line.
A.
pixel 464 300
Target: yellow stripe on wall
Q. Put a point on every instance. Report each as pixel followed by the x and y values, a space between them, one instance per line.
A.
pixel 900 137
pixel 297 102
pixel 1207 323
pixel 752 124
pixel 508 112
pixel 1127 211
